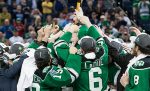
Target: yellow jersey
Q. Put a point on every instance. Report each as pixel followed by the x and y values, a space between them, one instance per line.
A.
pixel 47 7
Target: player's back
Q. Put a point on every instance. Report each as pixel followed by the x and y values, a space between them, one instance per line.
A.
pixel 93 77
pixel 139 75
pixel 38 77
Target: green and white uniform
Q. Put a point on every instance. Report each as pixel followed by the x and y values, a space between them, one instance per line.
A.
pixel 94 74
pixel 52 78
pixel 139 76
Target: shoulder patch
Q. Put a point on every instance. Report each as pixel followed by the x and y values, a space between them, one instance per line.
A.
pixel 53 71
pixel 143 63
pixel 139 63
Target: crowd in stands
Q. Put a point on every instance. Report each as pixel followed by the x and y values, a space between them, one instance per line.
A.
pixel 19 17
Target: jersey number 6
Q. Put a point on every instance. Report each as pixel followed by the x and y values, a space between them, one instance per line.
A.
pixel 93 79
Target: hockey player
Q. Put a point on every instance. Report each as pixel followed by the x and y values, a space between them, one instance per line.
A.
pixel 49 77
pixel 94 53
pixel 137 76
pixel 94 70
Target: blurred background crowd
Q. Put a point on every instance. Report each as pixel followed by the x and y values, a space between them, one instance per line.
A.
pixel 20 19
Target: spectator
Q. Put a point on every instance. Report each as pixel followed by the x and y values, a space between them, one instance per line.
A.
pixel 39 5
pixel 16 38
pixel 99 6
pixel 143 15
pixel 127 6
pixel 4 15
pixel 37 23
pixel 12 8
pixel 2 4
pixel 27 34
pixel 18 13
pixel 70 17
pixel 125 18
pixel 19 26
pixel 59 6
pixel 94 19
pixel 26 9
pixel 119 21
pixel 124 33
pixel 34 4
pixel 105 27
pixel 135 4
pixel 48 20
pixel 18 1
pixel 109 4
pixel 35 12
pixel 113 30
pixel 8 2
pixel 25 4
pixel 32 36
pixel 87 6
pixel 110 14
pixel 102 18
pixel 62 20
pixel 47 8
pixel 7 29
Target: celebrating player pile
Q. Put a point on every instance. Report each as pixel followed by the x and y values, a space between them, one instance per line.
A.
pixel 78 57
pixel 82 58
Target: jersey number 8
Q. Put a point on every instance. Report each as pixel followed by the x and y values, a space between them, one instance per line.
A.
pixel 136 79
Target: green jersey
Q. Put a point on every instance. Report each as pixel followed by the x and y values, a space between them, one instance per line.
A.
pixel 92 79
pixel 61 46
pixel 38 77
pixel 52 78
pixel 114 71
pixel 94 74
pixel 139 76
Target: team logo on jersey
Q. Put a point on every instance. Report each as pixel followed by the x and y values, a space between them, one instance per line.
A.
pixel 139 63
pixel 53 71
